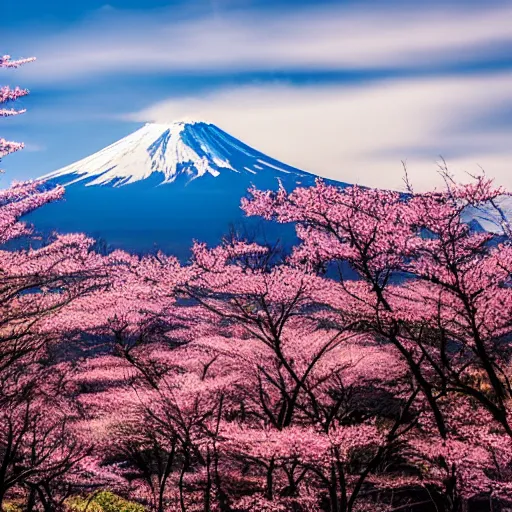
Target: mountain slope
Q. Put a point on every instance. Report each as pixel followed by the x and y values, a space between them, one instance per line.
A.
pixel 181 151
pixel 164 186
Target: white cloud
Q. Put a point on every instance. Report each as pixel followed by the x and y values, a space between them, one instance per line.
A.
pixel 34 148
pixel 322 37
pixel 359 134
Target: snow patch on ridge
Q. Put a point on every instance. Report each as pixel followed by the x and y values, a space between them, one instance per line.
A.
pixel 494 218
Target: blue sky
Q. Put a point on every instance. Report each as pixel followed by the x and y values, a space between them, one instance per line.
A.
pixel 344 89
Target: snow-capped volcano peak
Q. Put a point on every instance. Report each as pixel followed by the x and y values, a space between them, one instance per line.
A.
pixel 183 149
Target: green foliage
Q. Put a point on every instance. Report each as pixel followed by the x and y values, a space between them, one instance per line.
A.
pixel 11 506
pixel 103 501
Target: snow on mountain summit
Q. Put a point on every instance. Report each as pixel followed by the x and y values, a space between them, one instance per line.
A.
pixel 184 149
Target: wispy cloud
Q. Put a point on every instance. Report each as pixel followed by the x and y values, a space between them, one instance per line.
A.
pixel 320 38
pixel 360 133
pixel 34 148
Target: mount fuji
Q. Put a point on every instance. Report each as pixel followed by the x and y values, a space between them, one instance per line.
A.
pixel 164 186
pixel 177 152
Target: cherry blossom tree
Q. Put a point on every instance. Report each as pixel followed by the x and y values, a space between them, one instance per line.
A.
pixel 198 428
pixel 427 283
pixel 38 446
pixel 38 286
pixel 232 352
pixel 9 95
pixel 449 318
pixel 40 449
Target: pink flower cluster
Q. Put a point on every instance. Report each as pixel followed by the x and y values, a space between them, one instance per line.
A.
pixel 7 94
